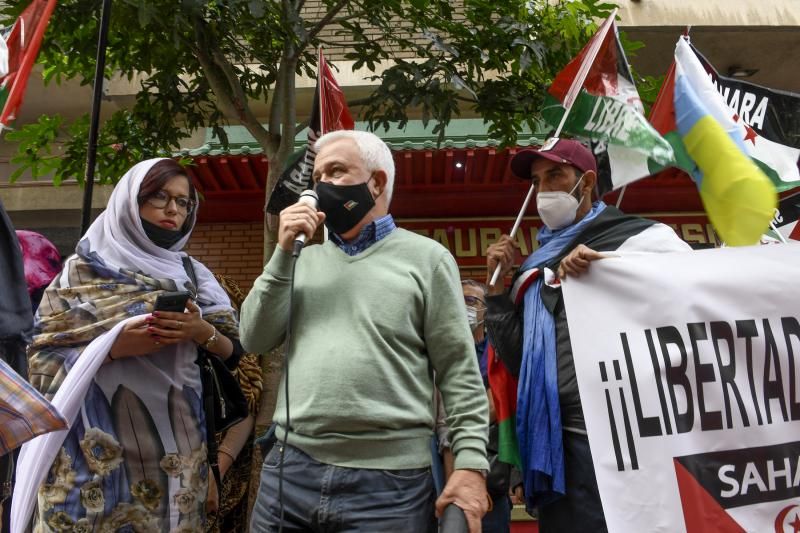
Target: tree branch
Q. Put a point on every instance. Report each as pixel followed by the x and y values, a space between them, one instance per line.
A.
pixel 288 110
pixel 283 115
pixel 324 21
pixel 277 99
pixel 226 86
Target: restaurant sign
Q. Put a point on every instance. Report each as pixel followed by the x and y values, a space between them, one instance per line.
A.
pixel 468 238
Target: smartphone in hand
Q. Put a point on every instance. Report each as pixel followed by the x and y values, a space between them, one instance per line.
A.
pixel 172 301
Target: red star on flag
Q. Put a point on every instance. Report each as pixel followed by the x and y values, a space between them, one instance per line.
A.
pixel 750 135
pixel 796 524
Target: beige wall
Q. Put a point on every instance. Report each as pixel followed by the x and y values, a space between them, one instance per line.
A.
pixel 43 195
pixel 53 211
pixel 709 12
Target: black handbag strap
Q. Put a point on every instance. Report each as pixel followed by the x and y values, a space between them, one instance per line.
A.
pixel 211 426
pixel 208 398
pixel 189 268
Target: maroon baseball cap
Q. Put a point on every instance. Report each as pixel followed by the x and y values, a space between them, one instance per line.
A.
pixel 564 151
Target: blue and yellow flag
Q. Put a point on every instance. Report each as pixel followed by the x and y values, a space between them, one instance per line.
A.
pixel 709 141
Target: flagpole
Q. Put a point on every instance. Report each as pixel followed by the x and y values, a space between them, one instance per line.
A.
pixel 17 89
pixel 320 63
pixel 99 77
pixel 621 195
pixel 569 100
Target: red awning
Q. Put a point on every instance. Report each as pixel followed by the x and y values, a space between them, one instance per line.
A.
pixel 457 182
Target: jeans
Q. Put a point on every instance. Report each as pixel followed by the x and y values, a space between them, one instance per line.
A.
pixel 319 498
pixel 498 520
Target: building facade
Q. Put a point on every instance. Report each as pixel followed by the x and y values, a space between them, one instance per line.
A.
pixel 460 193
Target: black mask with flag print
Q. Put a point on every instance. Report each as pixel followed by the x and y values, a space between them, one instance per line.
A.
pixel 344 205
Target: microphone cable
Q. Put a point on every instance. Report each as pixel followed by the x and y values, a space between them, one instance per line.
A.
pixel 307 197
pixel 286 353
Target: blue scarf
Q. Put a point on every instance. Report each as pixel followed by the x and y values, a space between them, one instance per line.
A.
pixel 480 352
pixel 538 411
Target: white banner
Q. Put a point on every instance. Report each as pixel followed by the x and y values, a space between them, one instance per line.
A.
pixel 688 366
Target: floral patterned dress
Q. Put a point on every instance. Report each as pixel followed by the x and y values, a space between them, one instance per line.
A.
pixel 135 460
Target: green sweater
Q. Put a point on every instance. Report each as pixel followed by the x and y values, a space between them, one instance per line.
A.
pixel 367 332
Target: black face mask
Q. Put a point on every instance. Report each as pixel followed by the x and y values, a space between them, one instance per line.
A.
pixel 344 205
pixel 162 237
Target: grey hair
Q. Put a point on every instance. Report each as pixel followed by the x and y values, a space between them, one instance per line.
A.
pixel 472 283
pixel 374 152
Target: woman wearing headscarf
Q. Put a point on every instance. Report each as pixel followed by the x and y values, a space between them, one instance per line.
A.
pixel 124 375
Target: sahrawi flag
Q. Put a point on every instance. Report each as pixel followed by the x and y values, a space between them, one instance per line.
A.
pixel 714 146
pixel 785 221
pixel 328 113
pixel 606 108
pixel 772 123
pixel 17 56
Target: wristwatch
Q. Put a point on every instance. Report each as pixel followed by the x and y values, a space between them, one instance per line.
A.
pixel 211 340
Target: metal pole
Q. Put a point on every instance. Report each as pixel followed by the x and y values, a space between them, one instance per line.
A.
pixel 621 195
pixel 91 153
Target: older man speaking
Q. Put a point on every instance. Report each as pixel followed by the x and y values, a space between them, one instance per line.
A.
pixel 376 310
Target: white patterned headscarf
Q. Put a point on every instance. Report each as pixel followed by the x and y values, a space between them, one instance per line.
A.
pixel 117 236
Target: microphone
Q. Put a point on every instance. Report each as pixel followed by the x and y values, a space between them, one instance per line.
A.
pixel 309 198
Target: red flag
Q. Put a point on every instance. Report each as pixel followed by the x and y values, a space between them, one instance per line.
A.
pixel 334 114
pixel 662 114
pixel 599 63
pixel 328 113
pixel 23 44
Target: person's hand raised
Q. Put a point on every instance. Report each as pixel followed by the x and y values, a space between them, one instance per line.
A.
pixel 500 253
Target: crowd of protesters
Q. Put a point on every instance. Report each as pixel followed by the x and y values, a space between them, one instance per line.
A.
pixel 383 344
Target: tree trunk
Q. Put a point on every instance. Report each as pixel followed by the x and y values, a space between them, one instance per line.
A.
pixel 270 220
pixel 271 371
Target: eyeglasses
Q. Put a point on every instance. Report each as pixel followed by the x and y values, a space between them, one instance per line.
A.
pixel 473 300
pixel 161 199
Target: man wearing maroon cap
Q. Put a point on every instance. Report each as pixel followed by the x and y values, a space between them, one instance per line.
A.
pixel 528 327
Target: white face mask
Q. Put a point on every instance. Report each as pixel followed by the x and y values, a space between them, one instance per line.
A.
pixel 557 209
pixel 472 316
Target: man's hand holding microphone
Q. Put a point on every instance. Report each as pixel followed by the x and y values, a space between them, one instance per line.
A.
pixel 299 222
